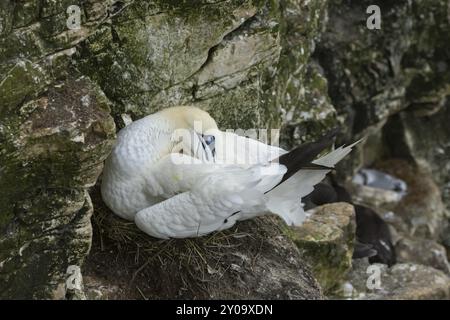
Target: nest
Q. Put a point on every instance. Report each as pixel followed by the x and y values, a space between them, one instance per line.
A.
pixel 172 268
pixel 254 259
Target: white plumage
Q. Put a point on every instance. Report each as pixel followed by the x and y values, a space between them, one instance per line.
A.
pixel 163 175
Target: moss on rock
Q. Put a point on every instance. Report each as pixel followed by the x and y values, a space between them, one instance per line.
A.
pixel 52 150
pixel 326 239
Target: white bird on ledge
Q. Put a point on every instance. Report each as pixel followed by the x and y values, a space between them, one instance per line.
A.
pixel 177 176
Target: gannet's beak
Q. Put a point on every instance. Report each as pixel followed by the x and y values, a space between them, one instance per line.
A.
pixel 210 143
pixel 212 147
pixel 202 149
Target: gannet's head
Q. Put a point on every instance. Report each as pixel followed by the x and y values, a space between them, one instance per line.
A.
pixel 191 118
pixel 192 127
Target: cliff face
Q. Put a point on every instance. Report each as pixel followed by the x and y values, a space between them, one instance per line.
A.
pixel 304 66
pixel 398 73
pixel 392 85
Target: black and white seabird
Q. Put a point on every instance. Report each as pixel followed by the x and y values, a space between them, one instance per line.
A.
pixel 176 175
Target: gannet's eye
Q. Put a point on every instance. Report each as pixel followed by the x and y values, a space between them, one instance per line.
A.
pixel 209 139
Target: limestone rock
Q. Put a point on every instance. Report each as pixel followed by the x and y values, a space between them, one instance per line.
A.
pixel 153 56
pixel 374 74
pixel 403 281
pixel 422 251
pixel 52 150
pixel 421 208
pixel 326 238
pixel 426 140
pixel 300 88
pixel 74 284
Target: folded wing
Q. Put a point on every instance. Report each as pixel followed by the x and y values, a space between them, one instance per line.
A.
pixel 209 200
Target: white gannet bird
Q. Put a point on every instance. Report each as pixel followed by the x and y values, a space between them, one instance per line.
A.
pixel 177 175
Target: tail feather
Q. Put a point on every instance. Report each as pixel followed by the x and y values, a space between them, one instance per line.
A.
pixel 303 172
pixel 303 156
pixel 330 159
pixel 283 199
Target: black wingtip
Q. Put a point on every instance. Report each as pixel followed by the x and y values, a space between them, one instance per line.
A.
pixel 302 156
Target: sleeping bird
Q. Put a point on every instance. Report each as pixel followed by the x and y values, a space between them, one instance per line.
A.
pixel 176 175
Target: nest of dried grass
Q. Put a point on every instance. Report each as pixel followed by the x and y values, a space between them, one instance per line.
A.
pixel 195 263
pixel 254 259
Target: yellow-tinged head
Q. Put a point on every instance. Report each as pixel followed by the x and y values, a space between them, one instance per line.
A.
pixel 191 118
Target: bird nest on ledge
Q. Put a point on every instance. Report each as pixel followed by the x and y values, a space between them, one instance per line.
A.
pixel 253 259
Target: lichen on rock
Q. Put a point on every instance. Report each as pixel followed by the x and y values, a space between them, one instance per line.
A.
pixel 404 281
pixel 52 151
pixel 326 238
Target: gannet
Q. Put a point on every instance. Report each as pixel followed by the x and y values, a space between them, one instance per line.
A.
pixel 176 175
